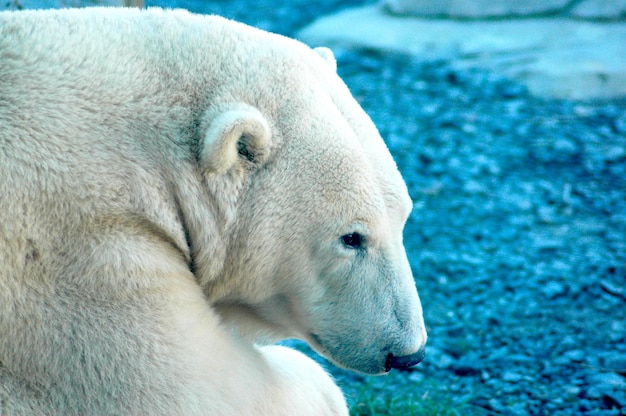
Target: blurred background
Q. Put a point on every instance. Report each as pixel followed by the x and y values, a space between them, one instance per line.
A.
pixel 508 121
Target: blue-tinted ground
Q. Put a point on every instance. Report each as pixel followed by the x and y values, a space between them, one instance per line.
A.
pixel 518 236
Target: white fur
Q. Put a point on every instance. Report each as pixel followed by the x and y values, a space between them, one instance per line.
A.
pixel 174 188
pixel 328 56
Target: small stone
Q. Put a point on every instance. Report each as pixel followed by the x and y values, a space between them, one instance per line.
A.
pixel 559 360
pixel 472 260
pixel 522 202
pixel 613 289
pixel 618 330
pixel 464 368
pixel 617 398
pixel 439 359
pixel 584 405
pixel 573 390
pixel 614 153
pixel 495 404
pixel 547 243
pixel 547 214
pixel 474 187
pixel 416 376
pixel 575 355
pixel 614 361
pixel 519 408
pixel 511 376
pixel 565 146
pixel 604 384
pixel 553 289
pixel 620 124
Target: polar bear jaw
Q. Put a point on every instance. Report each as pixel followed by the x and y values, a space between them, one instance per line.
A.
pixel 353 299
pixel 356 306
pixel 328 174
pixel 380 311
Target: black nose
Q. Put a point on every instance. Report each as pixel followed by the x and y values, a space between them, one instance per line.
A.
pixel 406 361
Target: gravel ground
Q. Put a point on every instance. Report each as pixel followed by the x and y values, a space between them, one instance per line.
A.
pixel 518 236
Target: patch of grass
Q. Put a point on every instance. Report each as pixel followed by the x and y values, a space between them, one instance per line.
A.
pixel 374 399
pixel 399 393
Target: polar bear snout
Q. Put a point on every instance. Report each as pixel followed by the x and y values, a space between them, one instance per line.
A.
pixel 406 361
pixel 409 349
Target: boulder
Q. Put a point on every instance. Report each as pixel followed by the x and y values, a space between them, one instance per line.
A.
pixel 554 57
pixel 600 9
pixel 490 9
pixel 473 9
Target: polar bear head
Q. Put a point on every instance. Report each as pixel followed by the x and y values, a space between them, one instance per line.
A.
pixel 312 212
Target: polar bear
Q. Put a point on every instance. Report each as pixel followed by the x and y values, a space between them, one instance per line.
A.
pixel 178 192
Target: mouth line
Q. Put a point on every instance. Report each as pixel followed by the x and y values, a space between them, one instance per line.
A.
pixel 391 361
pixel 404 362
pixel 314 341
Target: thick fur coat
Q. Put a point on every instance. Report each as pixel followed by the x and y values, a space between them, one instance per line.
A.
pixel 175 191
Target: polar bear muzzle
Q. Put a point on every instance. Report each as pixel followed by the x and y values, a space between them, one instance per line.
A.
pixel 400 363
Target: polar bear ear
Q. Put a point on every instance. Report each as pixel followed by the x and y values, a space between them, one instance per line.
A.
pixel 328 56
pixel 235 136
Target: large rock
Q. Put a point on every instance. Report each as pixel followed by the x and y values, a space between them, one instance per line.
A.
pixel 474 8
pixel 59 4
pixel 600 9
pixel 484 9
pixel 555 57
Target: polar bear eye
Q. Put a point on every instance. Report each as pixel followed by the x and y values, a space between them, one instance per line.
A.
pixel 352 240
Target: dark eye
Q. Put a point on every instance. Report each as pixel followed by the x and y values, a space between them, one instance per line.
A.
pixel 353 240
